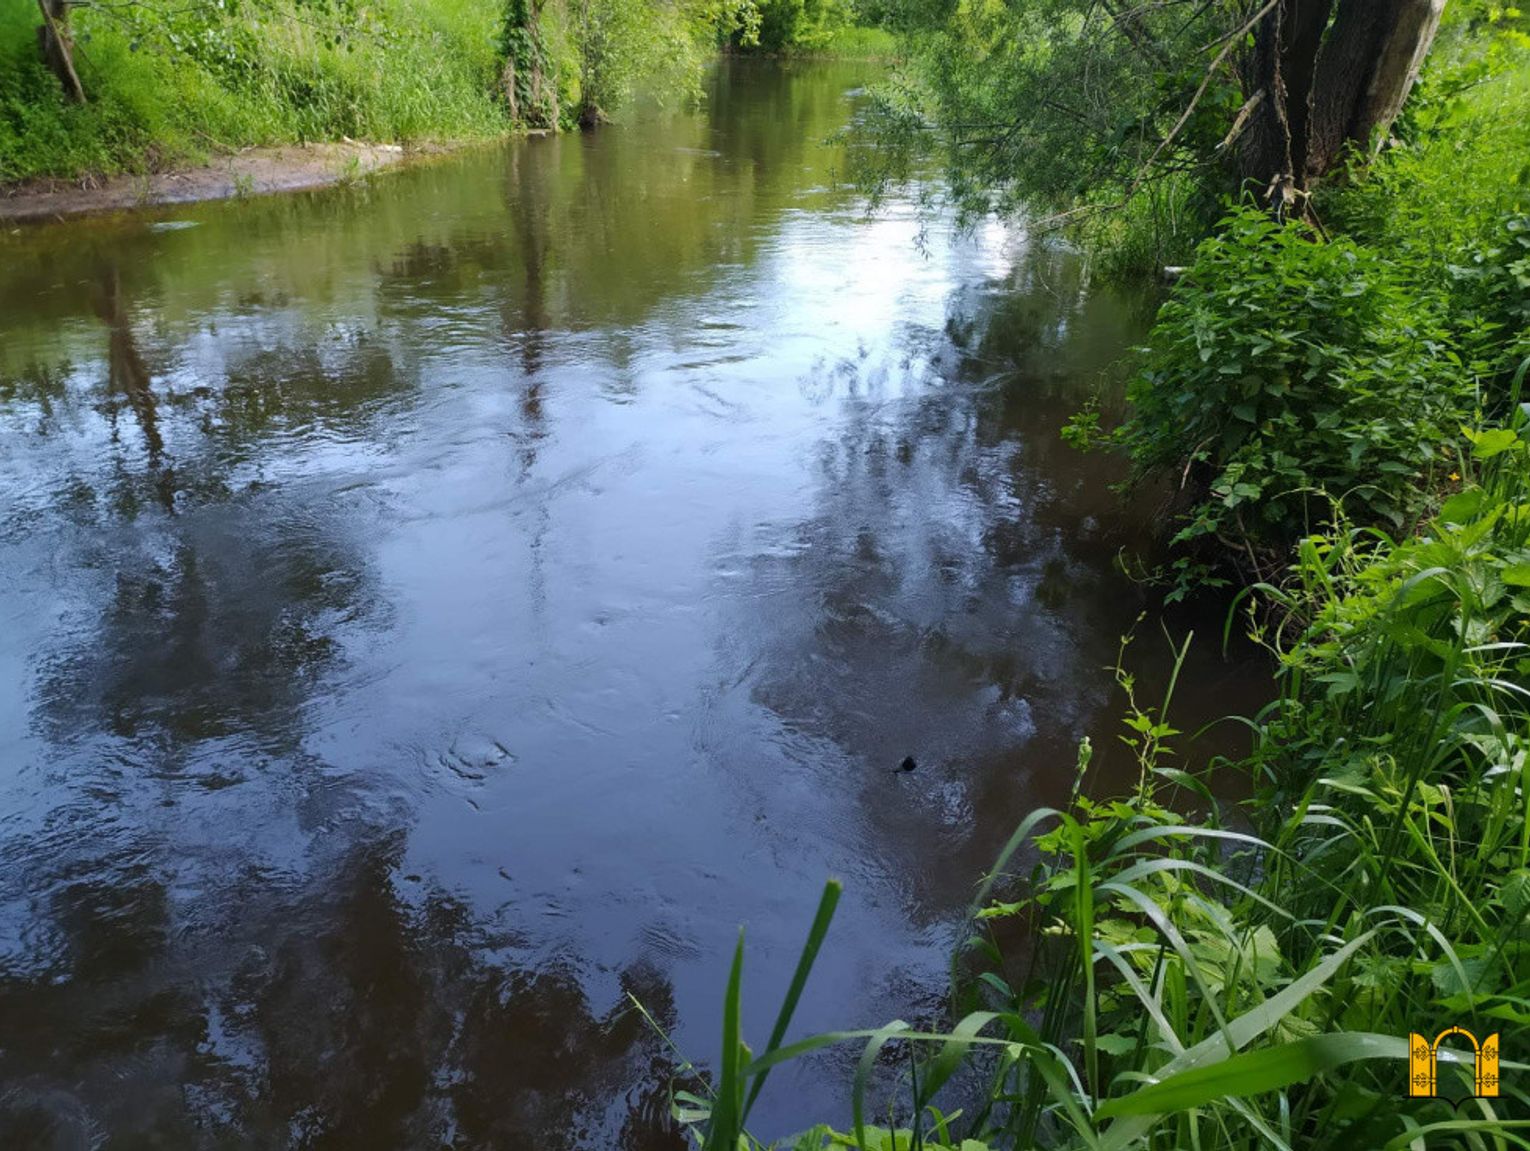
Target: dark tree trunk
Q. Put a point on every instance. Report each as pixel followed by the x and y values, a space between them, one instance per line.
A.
pixel 57 47
pixel 1367 69
pixel 1331 75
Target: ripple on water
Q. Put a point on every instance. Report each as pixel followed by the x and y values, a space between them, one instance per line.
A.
pixel 472 759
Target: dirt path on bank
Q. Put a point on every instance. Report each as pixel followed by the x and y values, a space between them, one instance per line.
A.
pixel 254 171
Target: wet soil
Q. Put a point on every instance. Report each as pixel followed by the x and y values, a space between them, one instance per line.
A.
pixel 252 172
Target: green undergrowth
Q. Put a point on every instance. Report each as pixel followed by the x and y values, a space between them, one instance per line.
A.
pixel 856 42
pixel 848 42
pixel 1304 366
pixel 1250 979
pixel 811 28
pixel 174 84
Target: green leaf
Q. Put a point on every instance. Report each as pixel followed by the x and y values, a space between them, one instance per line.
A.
pixel 1462 507
pixel 820 928
pixel 723 1128
pixel 1255 1072
pixel 1515 575
pixel 1115 1044
pixel 1490 441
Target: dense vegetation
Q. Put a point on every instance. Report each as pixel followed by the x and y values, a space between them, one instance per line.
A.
pixel 167 83
pixel 1334 395
pixel 796 27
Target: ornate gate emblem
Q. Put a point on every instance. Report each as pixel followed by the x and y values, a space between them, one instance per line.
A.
pixel 1424 1059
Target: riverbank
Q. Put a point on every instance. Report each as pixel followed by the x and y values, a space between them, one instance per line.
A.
pixel 166 90
pixel 1338 402
pixel 251 172
pixel 137 91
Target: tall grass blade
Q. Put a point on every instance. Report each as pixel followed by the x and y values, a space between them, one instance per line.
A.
pixel 826 905
pixel 1255 1072
pixel 726 1122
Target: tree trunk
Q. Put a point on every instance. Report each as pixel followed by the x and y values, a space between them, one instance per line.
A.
pixel 57 47
pixel 1334 75
pixel 1368 67
pixel 1286 47
pixel 530 90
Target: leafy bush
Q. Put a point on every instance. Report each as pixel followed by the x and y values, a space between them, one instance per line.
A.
pixel 1284 371
pixel 802 25
pixel 1289 370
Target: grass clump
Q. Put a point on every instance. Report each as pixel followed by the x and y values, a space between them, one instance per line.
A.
pixel 173 84
pixel 858 42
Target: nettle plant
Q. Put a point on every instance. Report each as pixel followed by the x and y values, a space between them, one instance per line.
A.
pixel 1284 373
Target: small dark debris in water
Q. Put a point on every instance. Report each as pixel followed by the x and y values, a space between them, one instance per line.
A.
pixel 908 764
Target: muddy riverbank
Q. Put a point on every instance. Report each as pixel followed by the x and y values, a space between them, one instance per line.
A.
pixel 251 172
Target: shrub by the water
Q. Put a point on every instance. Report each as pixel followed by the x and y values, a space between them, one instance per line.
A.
pixel 1284 370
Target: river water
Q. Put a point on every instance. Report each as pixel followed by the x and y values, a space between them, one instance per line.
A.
pixel 434 610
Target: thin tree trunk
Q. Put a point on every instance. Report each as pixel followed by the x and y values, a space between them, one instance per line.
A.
pixel 531 93
pixel 57 47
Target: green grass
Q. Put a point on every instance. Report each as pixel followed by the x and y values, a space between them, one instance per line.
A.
pixel 171 87
pixel 856 43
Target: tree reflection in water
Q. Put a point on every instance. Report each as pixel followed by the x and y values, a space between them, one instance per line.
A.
pixel 361 1010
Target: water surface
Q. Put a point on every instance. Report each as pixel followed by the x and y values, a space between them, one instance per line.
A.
pixel 432 611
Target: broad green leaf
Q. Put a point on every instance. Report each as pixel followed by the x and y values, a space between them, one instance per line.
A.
pixel 1490 441
pixel 1255 1072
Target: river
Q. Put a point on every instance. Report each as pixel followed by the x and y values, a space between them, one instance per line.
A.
pixel 433 610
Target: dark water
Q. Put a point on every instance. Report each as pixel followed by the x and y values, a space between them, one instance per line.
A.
pixel 431 611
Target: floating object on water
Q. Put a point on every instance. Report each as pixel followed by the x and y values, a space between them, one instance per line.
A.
pixel 908 764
